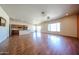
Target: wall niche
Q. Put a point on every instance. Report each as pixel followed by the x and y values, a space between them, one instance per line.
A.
pixel 2 21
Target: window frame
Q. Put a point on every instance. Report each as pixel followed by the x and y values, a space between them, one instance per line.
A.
pixel 56 30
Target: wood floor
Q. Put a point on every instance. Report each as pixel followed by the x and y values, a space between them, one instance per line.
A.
pixel 40 44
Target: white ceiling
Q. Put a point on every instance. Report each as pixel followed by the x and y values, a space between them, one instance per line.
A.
pixel 31 13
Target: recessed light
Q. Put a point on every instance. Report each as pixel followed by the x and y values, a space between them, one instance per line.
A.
pixel 67 14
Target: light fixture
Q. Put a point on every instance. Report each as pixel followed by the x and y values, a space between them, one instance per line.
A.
pixel 48 17
pixel 43 13
pixel 67 14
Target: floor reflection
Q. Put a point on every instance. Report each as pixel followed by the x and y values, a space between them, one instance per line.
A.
pixel 54 41
pixel 38 43
pixel 37 37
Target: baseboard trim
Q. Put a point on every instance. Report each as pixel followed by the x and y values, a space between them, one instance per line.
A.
pixel 60 35
pixel 4 53
pixel 68 36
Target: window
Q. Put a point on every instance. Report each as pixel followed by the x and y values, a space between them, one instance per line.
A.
pixel 38 28
pixel 54 27
pixel 34 28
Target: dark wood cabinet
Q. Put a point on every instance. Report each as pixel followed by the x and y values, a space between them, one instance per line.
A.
pixel 15 32
pixel 19 27
pixel 16 28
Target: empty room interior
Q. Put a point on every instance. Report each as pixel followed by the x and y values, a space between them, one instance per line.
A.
pixel 39 29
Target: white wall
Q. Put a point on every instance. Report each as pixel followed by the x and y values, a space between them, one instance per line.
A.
pixel 68 26
pixel 4 31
